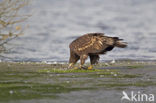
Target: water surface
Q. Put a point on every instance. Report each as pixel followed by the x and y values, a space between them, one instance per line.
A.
pixel 55 23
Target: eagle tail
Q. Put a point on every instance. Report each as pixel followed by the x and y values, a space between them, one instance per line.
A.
pixel 119 43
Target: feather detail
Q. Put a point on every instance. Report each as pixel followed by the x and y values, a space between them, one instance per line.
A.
pixel 89 44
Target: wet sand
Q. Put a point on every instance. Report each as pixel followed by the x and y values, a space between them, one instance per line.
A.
pixel 52 83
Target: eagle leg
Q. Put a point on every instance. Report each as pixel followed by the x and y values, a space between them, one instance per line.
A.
pixel 94 59
pixel 71 64
pixel 82 60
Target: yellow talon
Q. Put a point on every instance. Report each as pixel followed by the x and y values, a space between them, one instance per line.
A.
pixel 75 67
pixel 90 67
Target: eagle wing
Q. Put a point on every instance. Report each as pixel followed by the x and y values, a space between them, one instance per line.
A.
pixel 90 43
pixel 100 43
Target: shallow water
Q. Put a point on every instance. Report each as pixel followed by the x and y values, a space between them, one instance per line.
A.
pixel 41 83
pixel 55 23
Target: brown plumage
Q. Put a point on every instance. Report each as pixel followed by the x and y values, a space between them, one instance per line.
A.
pixel 92 44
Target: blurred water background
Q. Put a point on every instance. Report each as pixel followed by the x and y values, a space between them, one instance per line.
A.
pixel 55 23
